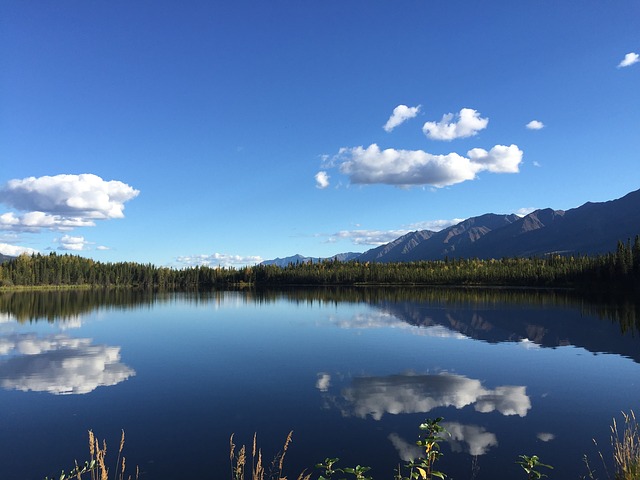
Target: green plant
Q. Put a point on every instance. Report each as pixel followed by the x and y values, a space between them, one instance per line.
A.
pixel 423 467
pixel 530 466
pixel 328 467
pixel 329 470
pixel 419 469
pixel 359 472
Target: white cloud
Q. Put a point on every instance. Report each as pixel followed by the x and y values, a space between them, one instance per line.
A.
pixel 629 59
pixel 102 247
pixel 397 394
pixel 545 436
pixel 435 225
pixel 535 125
pixel 63 201
pixel 219 260
pixel 367 237
pixel 36 221
pixel 382 237
pixel 322 180
pixel 500 159
pixel 416 167
pixel 400 114
pixel 15 250
pixel 68 242
pixel 523 212
pixel 468 123
pixel 408 451
pixel 382 319
pixel 471 439
pixel 323 382
pixel 377 319
pixel 59 364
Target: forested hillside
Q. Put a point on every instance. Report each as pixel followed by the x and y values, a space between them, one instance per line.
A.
pixel 619 270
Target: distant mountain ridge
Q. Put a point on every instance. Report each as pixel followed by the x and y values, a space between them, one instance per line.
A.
pixel 593 228
pixel 5 258
pixel 292 260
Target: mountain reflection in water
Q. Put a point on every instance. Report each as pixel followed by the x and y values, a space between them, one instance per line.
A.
pixel 352 371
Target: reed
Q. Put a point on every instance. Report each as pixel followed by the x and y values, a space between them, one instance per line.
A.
pixel 96 468
pixel 239 462
pixel 625 442
pixel 626 448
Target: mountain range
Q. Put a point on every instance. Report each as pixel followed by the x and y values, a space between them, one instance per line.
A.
pixel 590 229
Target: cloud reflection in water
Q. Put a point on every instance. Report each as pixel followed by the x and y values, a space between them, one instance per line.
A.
pixel 471 439
pixel 59 364
pixel 412 393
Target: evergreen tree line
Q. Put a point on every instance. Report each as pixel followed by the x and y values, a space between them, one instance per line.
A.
pixel 618 270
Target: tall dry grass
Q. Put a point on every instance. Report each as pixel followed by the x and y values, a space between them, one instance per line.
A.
pixel 626 448
pixel 96 468
pixel 274 470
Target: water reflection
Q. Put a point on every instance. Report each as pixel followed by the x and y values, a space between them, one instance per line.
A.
pixel 472 439
pixel 282 356
pixel 545 436
pixel 465 312
pixel 408 451
pixel 412 393
pixel 385 318
pixel 67 305
pixel 59 364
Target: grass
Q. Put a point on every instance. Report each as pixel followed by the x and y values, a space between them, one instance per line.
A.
pixel 257 471
pixel 626 448
pixel 625 443
pixel 96 468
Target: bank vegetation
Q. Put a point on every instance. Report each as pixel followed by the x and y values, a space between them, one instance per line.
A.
pixel 619 270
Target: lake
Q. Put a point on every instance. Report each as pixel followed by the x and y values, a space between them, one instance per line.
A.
pixel 352 372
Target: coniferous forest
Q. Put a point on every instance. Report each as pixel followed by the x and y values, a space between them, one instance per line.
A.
pixel 619 270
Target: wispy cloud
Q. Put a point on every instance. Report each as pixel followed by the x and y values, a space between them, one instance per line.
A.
pixel 219 260
pixel 400 114
pixel 62 202
pixel 323 382
pixel 545 436
pixel 408 451
pixel 322 180
pixel 381 237
pixel 367 237
pixel 434 225
pixel 535 125
pixel 629 59
pixel 468 123
pixel 36 221
pixel 523 212
pixel 416 167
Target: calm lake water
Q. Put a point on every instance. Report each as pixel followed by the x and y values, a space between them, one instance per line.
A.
pixel 352 373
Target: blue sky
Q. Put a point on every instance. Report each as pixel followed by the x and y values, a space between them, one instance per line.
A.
pixel 228 133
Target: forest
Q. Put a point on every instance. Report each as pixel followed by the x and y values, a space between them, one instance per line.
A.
pixel 618 270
